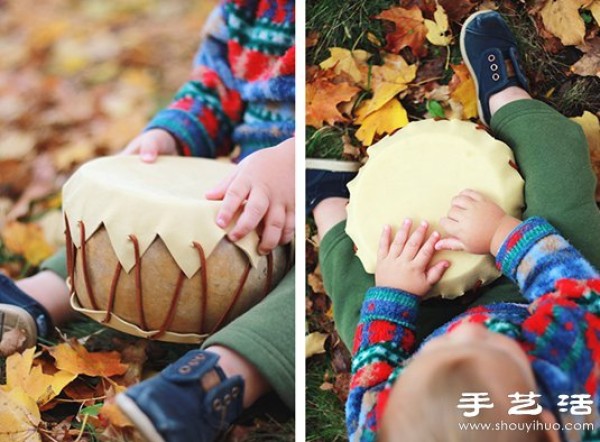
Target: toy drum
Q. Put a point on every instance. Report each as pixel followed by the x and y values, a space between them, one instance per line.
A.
pixel 144 253
pixel 415 174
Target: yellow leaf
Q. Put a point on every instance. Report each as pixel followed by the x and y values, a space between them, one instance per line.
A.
pixel 591 127
pixel 465 92
pixel 390 117
pixel 41 387
pixel 74 358
pixel 344 60
pixel 438 30
pixel 315 344
pixel 561 18
pixel 19 417
pixel 383 94
pixel 595 10
pixel 27 240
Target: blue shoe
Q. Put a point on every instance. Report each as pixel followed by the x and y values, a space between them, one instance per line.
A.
pixel 489 50
pixel 20 311
pixel 190 400
pixel 327 179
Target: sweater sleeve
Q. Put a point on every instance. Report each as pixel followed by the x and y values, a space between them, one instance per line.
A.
pixel 384 339
pixel 564 325
pixel 206 109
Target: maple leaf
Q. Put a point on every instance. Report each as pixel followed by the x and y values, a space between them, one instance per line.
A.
pixel 41 387
pixel 561 18
pixel 74 358
pixel 410 30
pixel 438 30
pixel 19 417
pixel 27 239
pixel 457 10
pixel 385 120
pixel 353 63
pixel 462 90
pixel 322 100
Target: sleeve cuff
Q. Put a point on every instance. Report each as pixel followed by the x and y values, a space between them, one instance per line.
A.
pixel 392 305
pixel 189 133
pixel 519 242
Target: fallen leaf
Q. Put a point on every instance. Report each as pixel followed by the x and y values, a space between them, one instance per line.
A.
pixel 12 341
pixel 595 10
pixel 322 100
pixel 591 127
pixel 410 30
pixel 458 10
pixel 19 417
pixel 561 18
pixel 315 281
pixel 386 120
pixel 462 89
pixel 589 64
pixel 349 62
pixel 27 240
pixel 315 344
pixel 15 145
pixel 74 358
pixel 438 30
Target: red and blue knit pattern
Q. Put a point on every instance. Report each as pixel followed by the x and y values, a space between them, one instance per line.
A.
pixel 559 330
pixel 242 88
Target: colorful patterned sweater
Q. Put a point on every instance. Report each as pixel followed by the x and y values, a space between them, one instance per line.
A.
pixel 241 91
pixel 559 330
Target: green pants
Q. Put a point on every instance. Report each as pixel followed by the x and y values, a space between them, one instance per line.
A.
pixel 553 157
pixel 264 335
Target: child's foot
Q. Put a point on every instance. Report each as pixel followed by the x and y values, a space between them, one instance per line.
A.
pixel 327 179
pixel 22 318
pixel 190 400
pixel 490 52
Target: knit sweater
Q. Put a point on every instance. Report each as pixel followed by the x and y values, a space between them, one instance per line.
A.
pixel 241 90
pixel 559 330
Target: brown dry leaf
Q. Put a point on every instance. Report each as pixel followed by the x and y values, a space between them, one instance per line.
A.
pixel 315 344
pixel 458 10
pixel 74 358
pixel 462 90
pixel 353 63
pixel 387 119
pixel 312 38
pixel 322 100
pixel 315 281
pixel 19 417
pixel 410 30
pixel 349 150
pixel 438 29
pixel 12 341
pixel 27 240
pixel 589 64
pixel 41 387
pixel 561 18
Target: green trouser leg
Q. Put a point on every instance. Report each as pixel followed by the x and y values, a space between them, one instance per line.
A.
pixel 553 156
pixel 264 336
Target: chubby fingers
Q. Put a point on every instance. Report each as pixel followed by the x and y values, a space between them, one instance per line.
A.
pixel 435 272
pixel 426 252
pixel 233 193
pixel 289 228
pixel 414 243
pixel 400 239
pixel 449 244
pixel 254 211
pixel 274 223
pixel 384 242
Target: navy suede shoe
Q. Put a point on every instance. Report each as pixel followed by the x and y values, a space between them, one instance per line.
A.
pixel 20 311
pixel 326 179
pixel 490 52
pixel 190 400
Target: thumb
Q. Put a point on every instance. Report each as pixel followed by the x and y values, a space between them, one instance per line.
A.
pixel 449 244
pixel 435 272
pixel 148 152
pixel 218 192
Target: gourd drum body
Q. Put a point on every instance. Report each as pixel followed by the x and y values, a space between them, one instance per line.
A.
pixel 144 253
pixel 415 174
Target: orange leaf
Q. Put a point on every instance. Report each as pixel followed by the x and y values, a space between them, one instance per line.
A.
pixel 410 30
pixel 462 89
pixel 75 358
pixel 322 100
pixel 27 240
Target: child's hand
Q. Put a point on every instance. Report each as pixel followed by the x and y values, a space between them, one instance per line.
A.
pixel 475 224
pixel 404 264
pixel 263 186
pixel 149 145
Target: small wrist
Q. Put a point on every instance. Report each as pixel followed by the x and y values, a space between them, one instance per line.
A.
pixel 506 225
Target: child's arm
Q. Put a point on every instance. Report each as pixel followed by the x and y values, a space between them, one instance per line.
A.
pixel 201 118
pixel 385 334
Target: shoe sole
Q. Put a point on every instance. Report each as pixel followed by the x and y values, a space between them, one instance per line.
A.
pixel 17 318
pixel 332 165
pixel 141 421
pixel 463 32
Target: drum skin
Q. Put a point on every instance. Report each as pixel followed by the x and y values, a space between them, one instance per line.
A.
pixel 169 303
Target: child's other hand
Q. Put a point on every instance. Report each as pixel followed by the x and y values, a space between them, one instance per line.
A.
pixel 263 186
pixel 475 224
pixel 149 145
pixel 403 263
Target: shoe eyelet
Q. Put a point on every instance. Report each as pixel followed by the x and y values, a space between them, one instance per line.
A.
pixel 217 404
pixel 227 399
pixel 496 77
pixel 491 58
pixel 494 67
pixel 235 391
